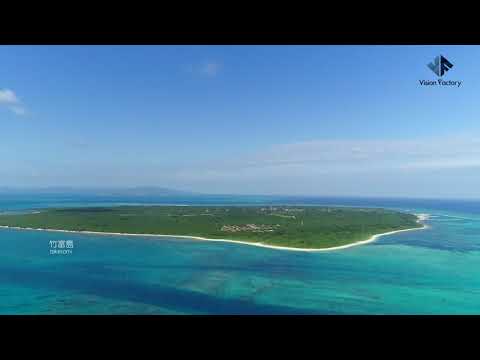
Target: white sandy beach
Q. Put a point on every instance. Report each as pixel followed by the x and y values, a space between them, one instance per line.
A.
pixel 421 217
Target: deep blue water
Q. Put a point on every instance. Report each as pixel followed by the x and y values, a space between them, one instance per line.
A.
pixel 432 271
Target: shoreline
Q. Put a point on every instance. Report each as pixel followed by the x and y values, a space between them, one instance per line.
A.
pixel 421 217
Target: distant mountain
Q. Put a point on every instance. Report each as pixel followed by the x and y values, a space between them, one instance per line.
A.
pixel 131 191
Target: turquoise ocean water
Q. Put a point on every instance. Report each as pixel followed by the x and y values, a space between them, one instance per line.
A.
pixel 432 271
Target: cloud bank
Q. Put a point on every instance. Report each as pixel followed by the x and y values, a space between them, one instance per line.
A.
pixel 430 166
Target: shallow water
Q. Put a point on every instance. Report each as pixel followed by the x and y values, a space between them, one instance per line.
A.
pixel 431 271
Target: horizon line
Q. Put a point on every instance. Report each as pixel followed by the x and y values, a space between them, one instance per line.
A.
pixel 195 193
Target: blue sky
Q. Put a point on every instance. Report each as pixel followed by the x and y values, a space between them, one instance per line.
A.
pixel 310 120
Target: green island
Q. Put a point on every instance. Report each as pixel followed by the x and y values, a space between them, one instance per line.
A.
pixel 287 226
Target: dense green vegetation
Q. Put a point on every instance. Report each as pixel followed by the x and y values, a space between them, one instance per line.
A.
pixel 294 226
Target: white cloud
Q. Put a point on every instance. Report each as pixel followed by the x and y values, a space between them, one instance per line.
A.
pixel 432 167
pixel 210 68
pixel 7 96
pixel 9 99
pixel 18 110
pixel 361 155
pixel 207 69
pixel 319 158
